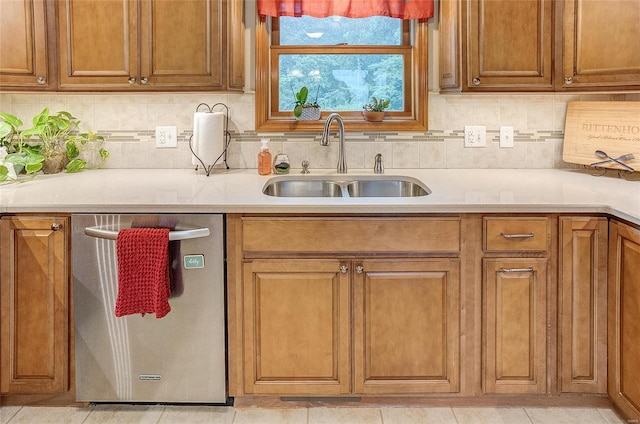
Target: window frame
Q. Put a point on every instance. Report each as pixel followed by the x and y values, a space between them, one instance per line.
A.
pixel 269 119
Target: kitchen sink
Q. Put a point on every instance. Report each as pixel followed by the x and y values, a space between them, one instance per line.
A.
pixel 387 188
pixel 344 186
pixel 302 188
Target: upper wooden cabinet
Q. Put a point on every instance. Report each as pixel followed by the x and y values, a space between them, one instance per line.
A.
pixel 24 52
pixel 601 52
pixel 150 45
pixel 508 44
pixel 539 45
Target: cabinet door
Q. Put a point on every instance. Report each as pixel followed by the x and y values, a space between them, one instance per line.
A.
pixel 583 304
pixel 34 300
pixel 235 44
pixel 406 326
pixel 23 44
pixel 624 322
pixel 296 327
pixel 601 41
pixel 509 45
pixel 514 327
pixel 98 44
pixel 450 45
pixel 182 43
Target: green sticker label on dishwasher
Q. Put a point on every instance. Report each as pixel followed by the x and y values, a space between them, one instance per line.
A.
pixel 193 261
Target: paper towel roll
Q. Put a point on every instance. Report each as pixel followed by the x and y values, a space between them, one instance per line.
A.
pixel 196 137
pixel 210 132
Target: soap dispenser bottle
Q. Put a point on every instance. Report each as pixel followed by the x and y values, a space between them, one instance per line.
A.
pixel 264 158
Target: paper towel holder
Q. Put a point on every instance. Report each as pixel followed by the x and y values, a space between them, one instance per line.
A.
pixel 227 135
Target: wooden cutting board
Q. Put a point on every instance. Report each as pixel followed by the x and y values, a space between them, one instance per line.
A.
pixel 613 127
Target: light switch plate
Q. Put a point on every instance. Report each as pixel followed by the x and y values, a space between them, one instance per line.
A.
pixel 166 137
pixel 506 137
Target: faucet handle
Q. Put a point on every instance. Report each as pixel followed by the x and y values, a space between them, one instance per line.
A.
pixel 305 167
pixel 378 167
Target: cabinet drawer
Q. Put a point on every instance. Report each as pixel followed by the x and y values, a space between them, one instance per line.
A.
pixel 357 235
pixel 516 234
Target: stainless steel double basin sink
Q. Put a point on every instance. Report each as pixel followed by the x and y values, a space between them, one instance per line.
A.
pixel 345 186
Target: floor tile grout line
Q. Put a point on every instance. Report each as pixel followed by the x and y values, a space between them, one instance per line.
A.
pixel 526 411
pixel 455 416
pixel 15 414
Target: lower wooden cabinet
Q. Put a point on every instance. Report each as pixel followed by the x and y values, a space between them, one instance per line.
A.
pixel 296 327
pixel 515 325
pixel 34 300
pixel 406 326
pixel 582 287
pixel 318 315
pixel 460 306
pixel 624 319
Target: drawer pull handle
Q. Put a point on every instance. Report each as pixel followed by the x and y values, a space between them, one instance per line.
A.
pixel 359 269
pixel 517 236
pixel 527 269
pixel 344 269
pixel 55 226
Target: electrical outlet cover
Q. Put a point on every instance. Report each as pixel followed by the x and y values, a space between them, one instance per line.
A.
pixel 166 137
pixel 475 136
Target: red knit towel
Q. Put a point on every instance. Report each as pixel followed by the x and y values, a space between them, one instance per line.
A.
pixel 143 271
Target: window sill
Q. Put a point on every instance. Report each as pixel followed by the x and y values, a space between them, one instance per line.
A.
pixel 388 124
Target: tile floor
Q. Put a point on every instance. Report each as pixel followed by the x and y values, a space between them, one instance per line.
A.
pixel 137 414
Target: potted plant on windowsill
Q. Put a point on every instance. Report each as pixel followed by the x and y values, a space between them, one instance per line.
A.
pixel 304 110
pixel 53 131
pixel 374 111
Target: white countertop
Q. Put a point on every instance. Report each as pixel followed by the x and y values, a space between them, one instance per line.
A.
pixel 240 190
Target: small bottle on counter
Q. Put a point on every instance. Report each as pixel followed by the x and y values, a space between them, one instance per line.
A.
pixel 264 158
pixel 281 164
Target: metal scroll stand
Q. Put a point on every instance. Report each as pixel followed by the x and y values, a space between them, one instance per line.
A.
pixel 598 171
pixel 628 173
pixel 227 136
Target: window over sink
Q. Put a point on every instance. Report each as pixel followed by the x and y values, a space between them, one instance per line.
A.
pixel 343 62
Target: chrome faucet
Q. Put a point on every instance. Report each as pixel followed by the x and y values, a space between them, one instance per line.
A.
pixel 342 161
pixel 378 166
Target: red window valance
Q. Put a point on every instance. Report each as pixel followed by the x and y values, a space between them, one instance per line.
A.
pixel 404 9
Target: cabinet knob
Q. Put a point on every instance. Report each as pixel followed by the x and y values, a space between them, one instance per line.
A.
pixel 55 226
pixel 144 80
pixel 131 80
pixel 568 80
pixel 476 81
pixel 344 269
pixel 41 80
pixel 359 269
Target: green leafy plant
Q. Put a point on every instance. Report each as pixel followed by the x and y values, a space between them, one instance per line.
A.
pixel 377 105
pixel 301 101
pixel 23 157
pixel 56 138
pixel 52 130
pixel 78 143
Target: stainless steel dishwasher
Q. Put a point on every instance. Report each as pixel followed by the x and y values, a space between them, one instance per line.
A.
pixel 179 358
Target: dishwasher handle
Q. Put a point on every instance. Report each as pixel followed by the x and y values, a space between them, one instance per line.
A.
pixel 178 234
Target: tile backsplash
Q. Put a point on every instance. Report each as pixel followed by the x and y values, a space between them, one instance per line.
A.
pixel 128 123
